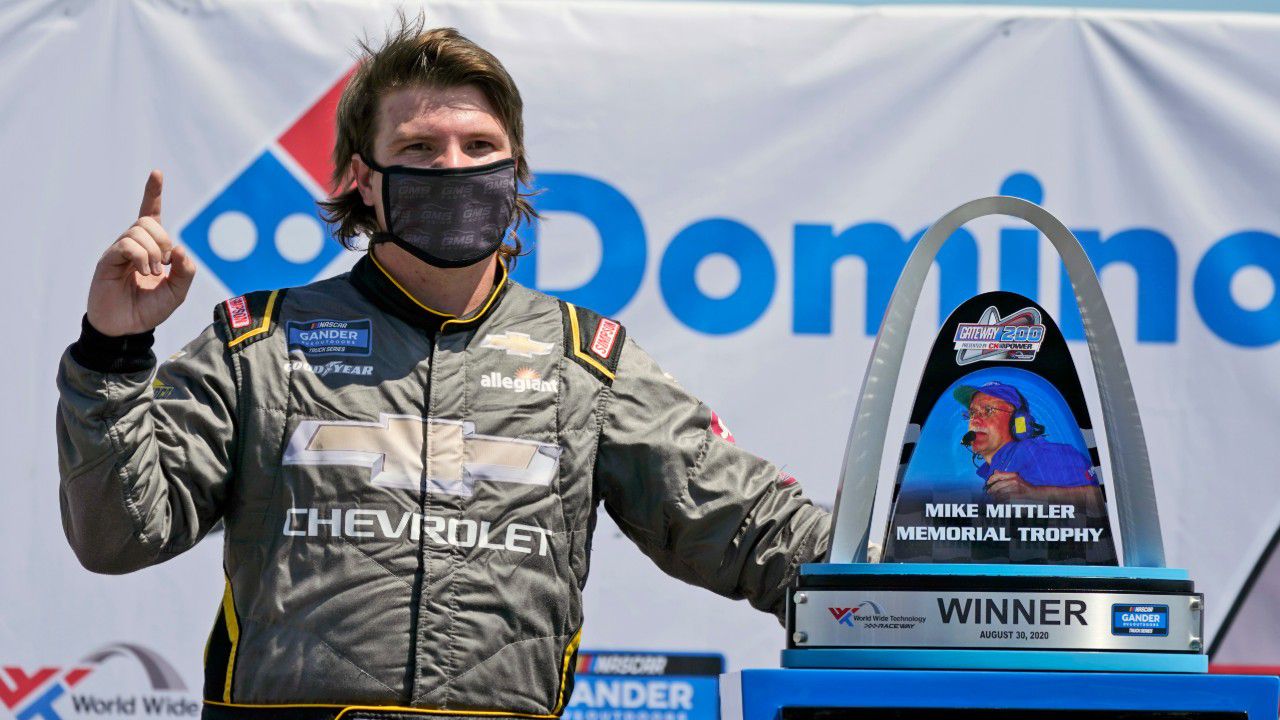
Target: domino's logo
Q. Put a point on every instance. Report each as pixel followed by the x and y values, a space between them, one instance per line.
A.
pixel 263 230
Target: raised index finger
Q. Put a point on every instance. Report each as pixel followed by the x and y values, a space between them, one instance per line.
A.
pixel 150 206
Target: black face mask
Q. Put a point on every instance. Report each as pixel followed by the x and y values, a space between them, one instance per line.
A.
pixel 448 217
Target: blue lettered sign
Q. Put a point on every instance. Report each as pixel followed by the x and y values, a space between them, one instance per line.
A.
pixel 646 686
pixel 1149 620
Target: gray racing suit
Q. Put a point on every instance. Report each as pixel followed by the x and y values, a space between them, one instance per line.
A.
pixel 409 497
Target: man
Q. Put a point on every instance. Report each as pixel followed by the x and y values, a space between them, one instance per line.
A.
pixel 1020 465
pixel 407 458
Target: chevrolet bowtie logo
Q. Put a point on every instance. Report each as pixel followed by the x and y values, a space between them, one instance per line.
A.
pixel 516 343
pixel 391 449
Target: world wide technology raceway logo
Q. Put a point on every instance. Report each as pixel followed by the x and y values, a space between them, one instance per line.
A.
pixel 870 615
pixel 263 230
pixel 844 615
pixel 59 692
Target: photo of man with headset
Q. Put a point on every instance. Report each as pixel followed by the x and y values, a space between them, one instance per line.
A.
pixel 1018 463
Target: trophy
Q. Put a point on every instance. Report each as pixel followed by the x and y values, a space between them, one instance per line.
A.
pixel 1000 555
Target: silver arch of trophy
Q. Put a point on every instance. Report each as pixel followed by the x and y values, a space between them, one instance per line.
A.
pixel 1135 500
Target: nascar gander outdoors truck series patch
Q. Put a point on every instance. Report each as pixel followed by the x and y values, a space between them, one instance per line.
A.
pixel 332 337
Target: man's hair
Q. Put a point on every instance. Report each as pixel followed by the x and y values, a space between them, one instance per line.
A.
pixel 410 55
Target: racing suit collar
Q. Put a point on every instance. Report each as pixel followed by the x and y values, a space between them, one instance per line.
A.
pixel 375 283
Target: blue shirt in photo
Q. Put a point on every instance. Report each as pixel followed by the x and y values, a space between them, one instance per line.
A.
pixel 1040 462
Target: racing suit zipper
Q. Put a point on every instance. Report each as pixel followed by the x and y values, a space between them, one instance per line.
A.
pixel 420 580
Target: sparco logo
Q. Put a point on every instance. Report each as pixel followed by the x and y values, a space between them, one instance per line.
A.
pixel 47 692
pixel 390 448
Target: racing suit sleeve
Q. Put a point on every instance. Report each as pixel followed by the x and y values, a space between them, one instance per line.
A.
pixel 705 510
pixel 144 463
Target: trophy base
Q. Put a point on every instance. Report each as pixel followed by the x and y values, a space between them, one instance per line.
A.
pixel 822 694
pixel 1031 660
pixel 995 617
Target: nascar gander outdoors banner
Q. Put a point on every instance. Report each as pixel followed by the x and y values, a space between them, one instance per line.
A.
pixel 740 186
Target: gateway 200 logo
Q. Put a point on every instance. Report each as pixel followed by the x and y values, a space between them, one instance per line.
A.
pixel 93 687
pixel 263 230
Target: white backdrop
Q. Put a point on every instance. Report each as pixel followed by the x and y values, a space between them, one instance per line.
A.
pixel 790 125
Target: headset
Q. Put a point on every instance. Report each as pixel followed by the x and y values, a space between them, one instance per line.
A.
pixel 1022 424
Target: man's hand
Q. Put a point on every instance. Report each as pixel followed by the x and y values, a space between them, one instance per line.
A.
pixel 130 292
pixel 1006 486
